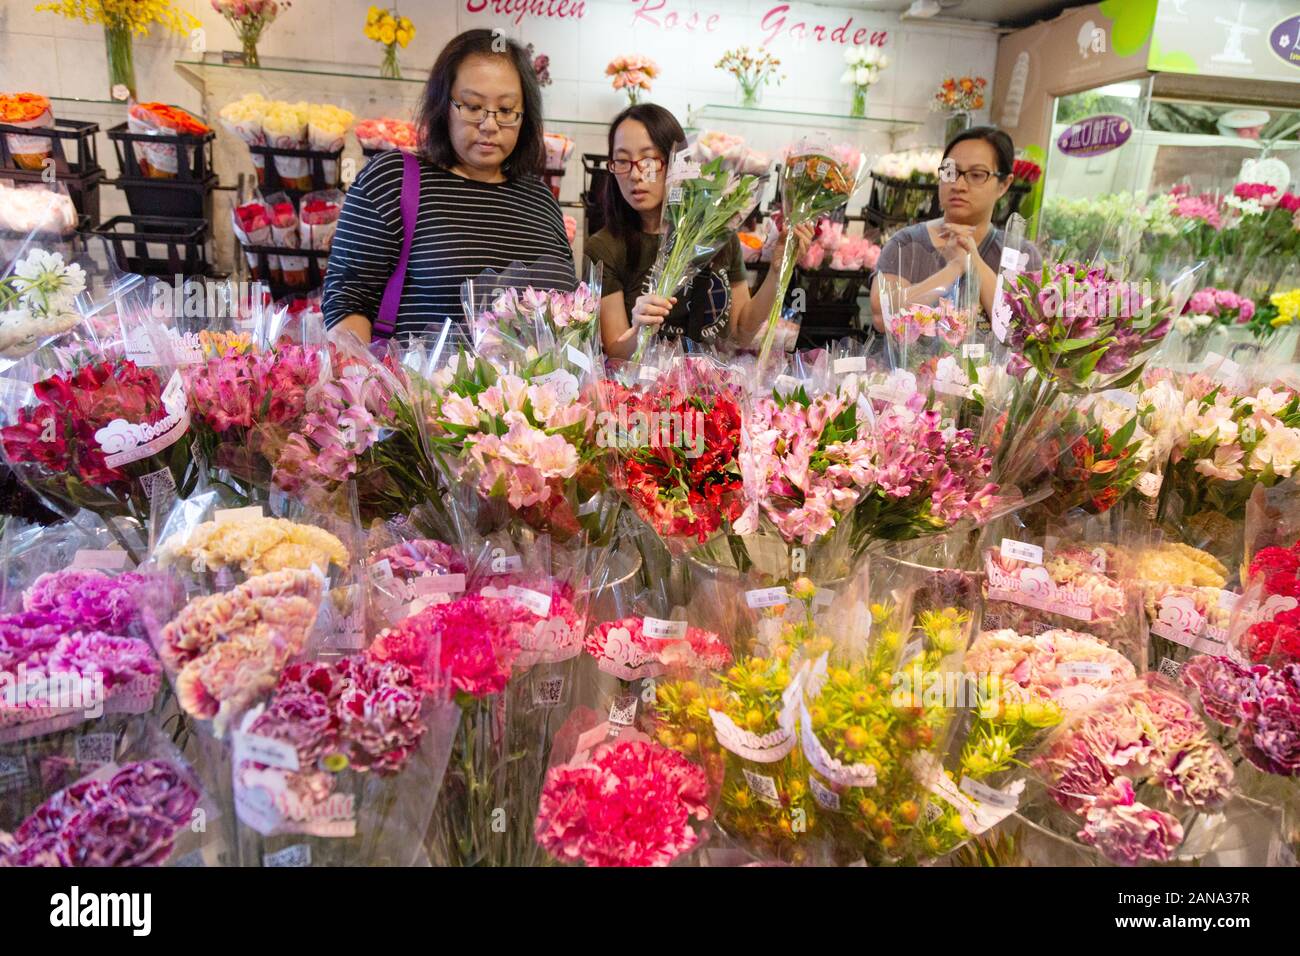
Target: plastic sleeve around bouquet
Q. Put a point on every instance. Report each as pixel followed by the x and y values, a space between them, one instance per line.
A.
pixel 1062 581
pixel 672 429
pixel 104 434
pixel 243 119
pixel 512 315
pixel 251 224
pixel 327 130
pixel 73 648
pixel 931 330
pixel 28 111
pixel 817 179
pixel 805 457
pixel 285 231
pixel 703 207
pixel 142 804
pixel 39 289
pixel 1152 803
pixel 319 218
pixel 162 160
pixel 350 751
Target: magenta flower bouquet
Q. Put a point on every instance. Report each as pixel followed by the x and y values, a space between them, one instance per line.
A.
pixel 1134 770
pixel 631 804
pixel 1261 704
pixel 131 818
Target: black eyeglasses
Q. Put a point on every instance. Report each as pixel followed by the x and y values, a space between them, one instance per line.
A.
pixel 475 115
pixel 647 164
pixel 949 173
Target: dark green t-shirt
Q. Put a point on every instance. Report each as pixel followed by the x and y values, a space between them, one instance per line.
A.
pixel 703 309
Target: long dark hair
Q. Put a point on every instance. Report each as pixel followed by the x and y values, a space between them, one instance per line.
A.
pixel 1003 147
pixel 433 120
pixel 666 133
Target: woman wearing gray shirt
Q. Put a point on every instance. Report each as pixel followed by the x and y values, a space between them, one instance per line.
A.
pixel 928 258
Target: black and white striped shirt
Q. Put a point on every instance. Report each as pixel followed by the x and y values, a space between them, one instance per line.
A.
pixel 464 228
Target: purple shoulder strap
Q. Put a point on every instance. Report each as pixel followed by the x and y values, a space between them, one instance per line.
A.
pixel 386 321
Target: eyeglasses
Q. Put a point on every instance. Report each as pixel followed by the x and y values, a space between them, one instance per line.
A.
pixel 647 165
pixel 475 115
pixel 949 173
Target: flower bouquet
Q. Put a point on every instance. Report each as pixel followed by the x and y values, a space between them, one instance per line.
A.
pixel 1206 311
pixel 864 65
pixel 28 111
pixel 37 301
pixel 163 160
pixel 632 74
pixel 675 436
pixel 702 210
pixel 391 30
pixel 1136 773
pixel 249 18
pixel 508 316
pixel 1266 623
pixel 631 803
pixel 752 69
pixel 386 133
pixel 99 433
pixel 817 180
pixel 1261 704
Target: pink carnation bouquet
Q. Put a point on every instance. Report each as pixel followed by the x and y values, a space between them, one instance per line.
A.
pixel 630 804
pixel 632 74
pixel 1134 770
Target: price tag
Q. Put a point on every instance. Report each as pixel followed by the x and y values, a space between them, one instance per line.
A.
pixel 785 384
pixel 225 515
pixel 766 597
pixel 1021 551
pixel 1148 484
pixel 1010 261
pixel 990 795
pixel 1085 670
pixel 578 358
pixel 299 855
pixel 437 584
pixel 851 363
pixel 105 560
pixel 265 750
pixel 381 571
pixel 1228 600
pixel 648 373
pixel 506 564
pixel 973 350
pixel 535 601
pixel 660 629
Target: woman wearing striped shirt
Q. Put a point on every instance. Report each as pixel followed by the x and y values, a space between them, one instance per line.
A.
pixel 482 204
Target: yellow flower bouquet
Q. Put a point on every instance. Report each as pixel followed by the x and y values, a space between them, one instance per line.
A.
pixel 393 30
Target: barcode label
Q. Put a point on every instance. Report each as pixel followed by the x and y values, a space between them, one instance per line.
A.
pixel 826 798
pixel 973 350
pixel 623 711
pixel 436 584
pixel 661 629
pixel 1085 670
pixel 95 750
pixel 1021 551
pixel 381 571
pixel 299 855
pixel 1010 261
pixel 852 363
pixel 548 691
pixel 766 597
pixel 505 564
pixel 13 773
pixel 675 195
pixel 763 786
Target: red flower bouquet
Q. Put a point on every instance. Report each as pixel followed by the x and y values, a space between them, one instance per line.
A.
pixel 106 436
pixel 677 445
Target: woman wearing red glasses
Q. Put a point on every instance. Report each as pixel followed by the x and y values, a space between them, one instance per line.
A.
pixel 717 304
pixel 929 258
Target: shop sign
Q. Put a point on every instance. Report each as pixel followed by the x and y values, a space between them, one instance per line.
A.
pixel 1095 135
pixel 1285 40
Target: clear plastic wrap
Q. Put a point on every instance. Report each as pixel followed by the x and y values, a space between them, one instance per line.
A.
pixel 509 315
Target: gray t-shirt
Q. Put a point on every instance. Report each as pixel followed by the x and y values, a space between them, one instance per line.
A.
pixel 911 256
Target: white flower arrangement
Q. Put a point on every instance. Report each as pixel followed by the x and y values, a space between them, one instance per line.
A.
pixel 864 65
pixel 37 301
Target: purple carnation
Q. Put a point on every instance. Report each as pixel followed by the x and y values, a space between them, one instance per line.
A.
pixel 86 600
pixel 120 659
pixel 304 720
pixel 113 832
pixel 159 786
pixel 26 638
pixel 1221 684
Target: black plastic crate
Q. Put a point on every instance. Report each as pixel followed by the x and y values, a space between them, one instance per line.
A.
pixel 901 200
pixel 74 148
pixel 193 154
pixel 82 188
pixel 271 181
pixel 168 198
pixel 153 246
pixel 317 264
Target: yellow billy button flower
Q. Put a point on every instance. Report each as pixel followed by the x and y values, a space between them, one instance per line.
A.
pixel 1041 713
pixel 856 739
